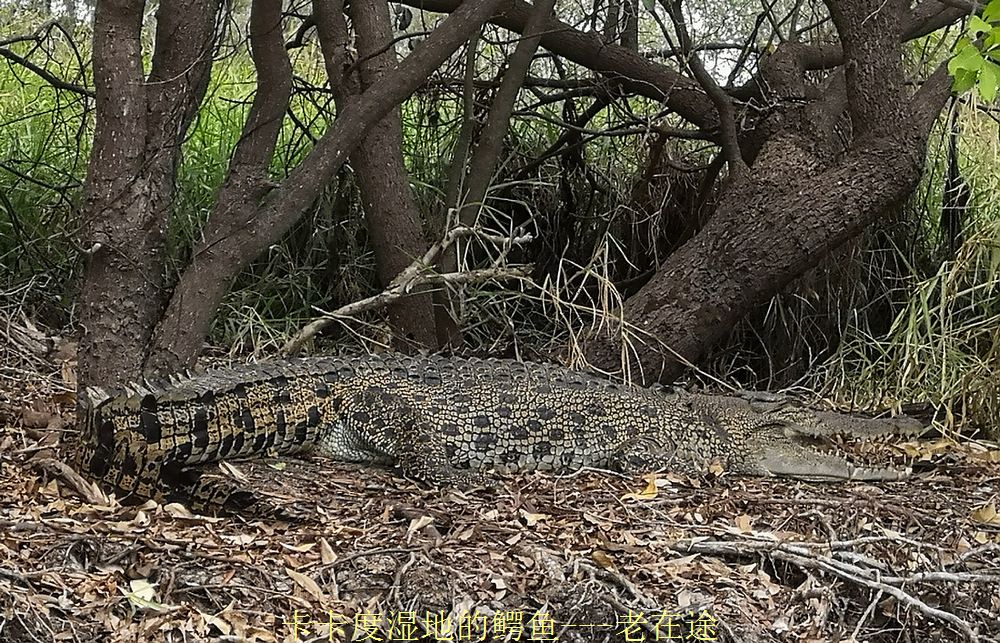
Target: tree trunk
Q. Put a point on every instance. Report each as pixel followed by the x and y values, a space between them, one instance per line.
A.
pixel 240 231
pixel 130 180
pixel 800 200
pixel 393 219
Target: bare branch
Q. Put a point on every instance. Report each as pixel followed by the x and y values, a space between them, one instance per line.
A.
pixel 415 276
pixel 48 77
pixel 802 555
pixel 727 116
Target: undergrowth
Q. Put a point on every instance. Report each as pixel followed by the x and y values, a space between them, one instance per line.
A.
pixel 886 319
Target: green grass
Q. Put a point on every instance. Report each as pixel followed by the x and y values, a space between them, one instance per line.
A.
pixel 881 322
pixel 44 145
pixel 943 345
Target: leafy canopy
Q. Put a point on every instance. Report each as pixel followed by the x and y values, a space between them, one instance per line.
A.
pixel 977 53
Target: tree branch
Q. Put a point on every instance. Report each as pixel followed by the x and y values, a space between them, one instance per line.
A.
pixel 47 76
pixel 232 242
pixel 723 104
pixel 246 180
pixel 415 276
pixel 628 69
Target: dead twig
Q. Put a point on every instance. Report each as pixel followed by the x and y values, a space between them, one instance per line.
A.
pixel 419 273
pixel 802 556
pixel 86 489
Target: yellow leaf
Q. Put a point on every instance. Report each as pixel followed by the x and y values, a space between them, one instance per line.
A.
pixel 648 493
pixel 143 589
pixel 143 595
pixel 306 583
pixel 986 514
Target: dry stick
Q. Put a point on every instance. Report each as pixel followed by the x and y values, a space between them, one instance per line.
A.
pixel 867 613
pixel 416 275
pixel 895 592
pixel 86 489
pixel 801 557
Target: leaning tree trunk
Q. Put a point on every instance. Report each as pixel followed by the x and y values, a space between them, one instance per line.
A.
pixel 240 230
pixel 383 182
pixel 799 200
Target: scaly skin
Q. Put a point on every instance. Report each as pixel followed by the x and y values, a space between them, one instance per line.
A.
pixel 443 421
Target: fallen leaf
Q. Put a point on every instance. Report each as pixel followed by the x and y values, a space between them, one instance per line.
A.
pixel 986 514
pixel 326 553
pixel 531 519
pixel 594 520
pixel 143 595
pixel 648 492
pixel 306 583
pixel 602 559
pixel 233 471
pixel 418 523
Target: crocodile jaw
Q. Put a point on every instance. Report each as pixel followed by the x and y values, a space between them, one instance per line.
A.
pixel 803 463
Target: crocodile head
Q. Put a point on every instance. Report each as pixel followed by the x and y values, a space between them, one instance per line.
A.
pixel 779 448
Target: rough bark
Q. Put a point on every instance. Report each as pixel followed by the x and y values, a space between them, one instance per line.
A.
pixel 804 195
pixel 129 187
pixel 384 184
pixel 246 182
pixel 231 242
pixel 799 202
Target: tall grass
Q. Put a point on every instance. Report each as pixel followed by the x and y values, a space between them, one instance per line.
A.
pixel 944 343
pixel 45 138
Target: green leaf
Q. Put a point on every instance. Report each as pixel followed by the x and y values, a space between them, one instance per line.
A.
pixel 977 26
pixel 989 78
pixel 964 81
pixel 649 5
pixel 968 58
pixel 991 13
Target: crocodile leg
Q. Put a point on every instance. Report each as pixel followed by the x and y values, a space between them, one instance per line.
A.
pixel 426 458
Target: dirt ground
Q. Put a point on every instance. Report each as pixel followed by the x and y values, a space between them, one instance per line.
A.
pixel 592 557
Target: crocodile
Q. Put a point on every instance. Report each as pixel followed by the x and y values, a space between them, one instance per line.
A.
pixel 442 421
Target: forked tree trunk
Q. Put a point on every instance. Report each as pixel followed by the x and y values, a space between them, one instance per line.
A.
pixel 130 178
pixel 246 221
